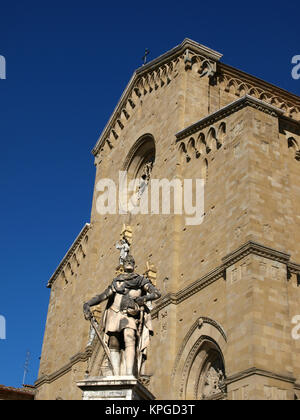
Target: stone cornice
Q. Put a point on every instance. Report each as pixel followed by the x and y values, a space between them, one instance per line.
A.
pixel 249 248
pixel 255 371
pixel 226 111
pixel 79 357
pixel 195 287
pixel 293 268
pixel 187 44
pixel 232 72
pixel 255 248
pixel 289 122
pixel 69 254
pixel 297 386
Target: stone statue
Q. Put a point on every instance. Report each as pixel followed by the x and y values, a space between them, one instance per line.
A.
pixel 124 248
pixel 127 321
pixel 214 379
pixel 145 178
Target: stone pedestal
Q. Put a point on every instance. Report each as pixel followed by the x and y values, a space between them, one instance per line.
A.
pixel 114 388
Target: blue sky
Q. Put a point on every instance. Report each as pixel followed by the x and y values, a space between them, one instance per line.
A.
pixel 67 65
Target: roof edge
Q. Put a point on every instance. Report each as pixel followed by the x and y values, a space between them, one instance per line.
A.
pixel 69 253
pixel 187 44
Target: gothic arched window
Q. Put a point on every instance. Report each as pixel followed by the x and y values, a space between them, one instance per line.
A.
pixel 139 163
pixel 141 154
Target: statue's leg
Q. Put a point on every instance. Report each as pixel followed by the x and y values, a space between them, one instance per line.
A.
pixel 115 355
pixel 129 339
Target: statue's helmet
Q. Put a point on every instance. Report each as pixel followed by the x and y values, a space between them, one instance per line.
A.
pixel 129 260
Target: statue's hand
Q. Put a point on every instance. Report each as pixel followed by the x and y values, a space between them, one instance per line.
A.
pixel 140 300
pixel 87 312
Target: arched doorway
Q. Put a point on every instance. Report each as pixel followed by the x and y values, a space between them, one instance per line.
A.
pixel 199 370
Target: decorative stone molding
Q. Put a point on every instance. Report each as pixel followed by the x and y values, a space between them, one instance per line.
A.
pixel 255 248
pixel 293 268
pixel 241 83
pixel 204 320
pixel 209 133
pixel 226 111
pixel 254 371
pixel 200 347
pixel 153 76
pixel 203 143
pixel 207 67
pixel 195 287
pixel 73 256
pixel 250 248
pixel 79 357
pixel 199 325
pixel 294 145
pixel 290 125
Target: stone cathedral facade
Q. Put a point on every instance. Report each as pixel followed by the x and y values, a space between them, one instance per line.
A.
pixel 223 327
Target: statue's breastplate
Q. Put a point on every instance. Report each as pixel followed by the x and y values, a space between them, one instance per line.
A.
pixel 128 304
pixel 120 302
pixel 134 293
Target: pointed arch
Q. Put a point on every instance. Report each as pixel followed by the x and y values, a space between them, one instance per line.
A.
pixel 201 144
pixel 221 134
pixel 264 97
pixel 254 92
pixel 69 271
pixel 276 101
pixel 243 89
pixel 191 147
pixel 144 149
pixel 293 112
pixel 202 141
pixel 212 139
pixel 292 143
pixel 75 262
pixel 64 278
pixel 203 347
pixel 232 86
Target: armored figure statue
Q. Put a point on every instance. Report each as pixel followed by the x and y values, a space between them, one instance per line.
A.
pixel 127 321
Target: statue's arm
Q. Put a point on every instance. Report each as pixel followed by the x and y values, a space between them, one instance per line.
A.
pixel 152 293
pixel 95 301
